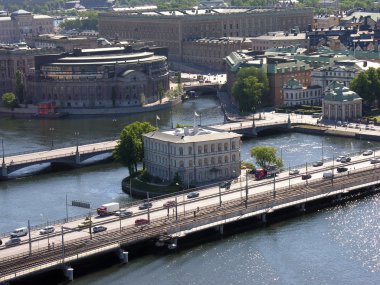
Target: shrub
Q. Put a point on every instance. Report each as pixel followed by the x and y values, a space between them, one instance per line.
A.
pixel 146 176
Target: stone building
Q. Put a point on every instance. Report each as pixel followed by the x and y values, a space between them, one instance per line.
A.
pixel 174 28
pixel 197 154
pixel 279 39
pixel 340 103
pixel 295 94
pixel 19 24
pixel 103 77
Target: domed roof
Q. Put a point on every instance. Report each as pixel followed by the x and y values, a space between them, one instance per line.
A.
pixel 20 12
pixel 293 83
pixel 338 92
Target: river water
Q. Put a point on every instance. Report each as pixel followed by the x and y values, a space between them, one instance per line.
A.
pixel 339 245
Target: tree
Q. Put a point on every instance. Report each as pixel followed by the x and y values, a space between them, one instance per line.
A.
pixel 9 100
pixel 265 155
pixel 367 84
pixel 19 86
pixel 250 86
pixel 129 149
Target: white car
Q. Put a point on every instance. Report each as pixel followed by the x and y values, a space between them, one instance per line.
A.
pixel 47 230
pixel 294 172
pixel 368 152
pixel 339 158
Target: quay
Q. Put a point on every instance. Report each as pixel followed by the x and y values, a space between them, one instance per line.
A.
pixel 213 209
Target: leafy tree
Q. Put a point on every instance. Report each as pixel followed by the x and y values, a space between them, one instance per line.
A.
pixel 9 100
pixel 86 21
pixel 19 86
pixel 265 155
pixel 250 86
pixel 129 149
pixel 367 84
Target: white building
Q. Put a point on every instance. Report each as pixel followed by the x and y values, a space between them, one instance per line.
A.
pixel 279 39
pixel 324 76
pixel 295 94
pixel 198 155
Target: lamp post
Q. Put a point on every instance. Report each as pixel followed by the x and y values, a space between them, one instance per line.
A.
pixel 52 137
pixel 114 121
pixel 76 134
pixel 47 224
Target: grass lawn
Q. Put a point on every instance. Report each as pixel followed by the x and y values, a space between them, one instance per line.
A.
pixel 138 184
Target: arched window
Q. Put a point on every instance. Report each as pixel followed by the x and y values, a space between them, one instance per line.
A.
pixel 226 159
pixel 219 159
pixel 199 149
pixel 181 151
pixel 212 148
pixel 219 147
pixel 225 146
pixel 205 148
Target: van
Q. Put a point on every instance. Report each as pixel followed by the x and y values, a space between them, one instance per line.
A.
pixel 327 175
pixel 20 232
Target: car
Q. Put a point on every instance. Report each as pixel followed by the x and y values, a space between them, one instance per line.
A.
pixel 345 159
pixel 341 169
pixel 98 229
pixel 351 125
pixel 86 223
pixel 47 230
pixel 367 127
pixel 339 123
pixel 373 128
pixel 126 214
pixel 306 176
pixel 344 124
pixel 226 184
pixel 328 175
pixel 1 242
pixel 20 232
pixel 294 172
pixel 13 241
pixel 170 204
pixel 368 152
pixel 192 195
pixel 339 158
pixel 318 163
pixel 118 213
pixel 374 160
pixel 141 222
pixel 357 126
pixel 145 205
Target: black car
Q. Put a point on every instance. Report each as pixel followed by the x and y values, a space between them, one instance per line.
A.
pixel 145 205
pixel 192 195
pixel 98 229
pixel 342 169
pixel 306 176
pixel 318 163
pixel 226 184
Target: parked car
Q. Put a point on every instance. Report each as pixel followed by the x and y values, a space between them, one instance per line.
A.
pixel 169 204
pixel 141 222
pixel 357 126
pixel 98 229
pixel 328 175
pixel 226 184
pixel 145 205
pixel 339 123
pixel 294 172
pixel 13 241
pixel 338 159
pixel 126 214
pixel 47 230
pixel 192 195
pixel 368 152
pixel 306 176
pixel 342 169
pixel 374 160
pixel 318 163
pixel 120 211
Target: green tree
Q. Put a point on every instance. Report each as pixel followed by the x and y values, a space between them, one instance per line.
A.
pixel 129 149
pixel 265 155
pixel 9 100
pixel 19 86
pixel 250 86
pixel 367 84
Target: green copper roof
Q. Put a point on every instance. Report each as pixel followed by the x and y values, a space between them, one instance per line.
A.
pixel 338 92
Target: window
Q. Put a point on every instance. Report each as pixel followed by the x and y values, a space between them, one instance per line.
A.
pixel 200 162
pixel 219 147
pixel 219 160
pixel 233 157
pixel 233 145
pixel 181 163
pixel 190 163
pixel 226 159
pixel 213 160
pixel 205 161
pixel 190 150
pixel 199 149
pixel 212 148
pixel 205 148
pixel 180 151
pixel 225 146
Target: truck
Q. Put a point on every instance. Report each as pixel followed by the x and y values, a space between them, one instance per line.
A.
pixel 108 209
pixel 269 171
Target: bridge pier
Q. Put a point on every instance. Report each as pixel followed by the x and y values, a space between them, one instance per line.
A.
pixel 69 272
pixel 123 256
pixel 4 170
pixel 221 229
pixel 264 218
pixel 77 157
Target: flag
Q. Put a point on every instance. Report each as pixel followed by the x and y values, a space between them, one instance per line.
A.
pixel 196 114
pixel 157 117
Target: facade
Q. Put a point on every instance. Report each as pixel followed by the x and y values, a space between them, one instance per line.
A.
pixel 295 94
pixel 173 28
pixel 324 76
pixel 103 77
pixel 16 26
pixel 340 103
pixel 325 21
pixel 62 42
pixel 211 52
pixel 197 155
pixel 279 39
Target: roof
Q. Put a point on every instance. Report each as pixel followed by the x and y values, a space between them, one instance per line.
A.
pixel 338 92
pixel 202 136
pixel 21 12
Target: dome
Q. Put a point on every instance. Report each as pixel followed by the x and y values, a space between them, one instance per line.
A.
pixel 339 92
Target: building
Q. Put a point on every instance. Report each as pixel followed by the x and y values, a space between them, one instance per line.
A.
pixel 173 28
pixel 340 103
pixel 197 154
pixel 325 21
pixel 324 76
pixel 62 42
pixel 295 94
pixel 103 77
pixel 210 53
pixel 279 39
pixel 19 24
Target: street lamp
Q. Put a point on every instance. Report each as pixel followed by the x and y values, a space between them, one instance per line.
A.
pixel 114 121
pixel 77 135
pixel 52 137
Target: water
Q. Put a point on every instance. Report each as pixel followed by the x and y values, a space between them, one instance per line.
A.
pixel 333 246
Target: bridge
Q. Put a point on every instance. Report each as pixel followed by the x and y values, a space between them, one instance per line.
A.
pixel 215 208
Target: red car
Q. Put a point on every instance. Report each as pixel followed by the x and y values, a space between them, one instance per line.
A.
pixel 140 222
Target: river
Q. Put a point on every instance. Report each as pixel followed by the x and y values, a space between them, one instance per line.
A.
pixel 338 245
